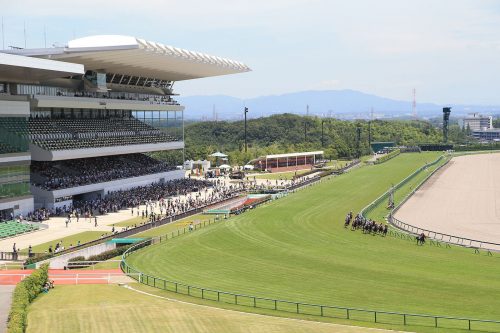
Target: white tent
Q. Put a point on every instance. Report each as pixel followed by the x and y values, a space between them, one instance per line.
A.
pixel 218 154
pixel 225 166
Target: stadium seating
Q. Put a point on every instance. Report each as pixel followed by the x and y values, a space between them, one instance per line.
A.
pixel 64 133
pixel 61 134
pixel 12 228
pixel 78 172
pixel 6 149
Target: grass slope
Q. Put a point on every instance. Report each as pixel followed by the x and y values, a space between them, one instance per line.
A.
pixel 74 309
pixel 297 249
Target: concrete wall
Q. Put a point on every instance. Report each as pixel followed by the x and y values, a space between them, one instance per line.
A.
pixel 61 261
pixel 39 154
pixel 101 103
pixel 20 205
pixel 15 159
pixel 14 108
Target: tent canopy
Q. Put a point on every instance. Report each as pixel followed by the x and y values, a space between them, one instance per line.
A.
pixel 218 154
pixel 225 166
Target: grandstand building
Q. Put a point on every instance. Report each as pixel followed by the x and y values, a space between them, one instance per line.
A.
pixel 79 121
pixel 287 162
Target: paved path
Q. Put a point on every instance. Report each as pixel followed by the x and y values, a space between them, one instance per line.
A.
pixel 5 300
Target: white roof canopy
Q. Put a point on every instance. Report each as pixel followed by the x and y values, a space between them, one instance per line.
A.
pixel 14 68
pixel 309 153
pixel 218 154
pixel 138 57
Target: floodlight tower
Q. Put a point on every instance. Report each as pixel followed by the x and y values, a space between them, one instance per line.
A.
pixel 446 120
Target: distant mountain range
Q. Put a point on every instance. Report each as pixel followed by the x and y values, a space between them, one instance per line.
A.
pixel 345 104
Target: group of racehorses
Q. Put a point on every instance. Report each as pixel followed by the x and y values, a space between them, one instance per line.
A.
pixel 367 225
pixel 371 227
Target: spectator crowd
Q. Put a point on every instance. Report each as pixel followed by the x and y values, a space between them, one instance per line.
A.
pixel 72 173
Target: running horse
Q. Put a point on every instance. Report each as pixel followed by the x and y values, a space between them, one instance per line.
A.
pixel 347 220
pixel 421 239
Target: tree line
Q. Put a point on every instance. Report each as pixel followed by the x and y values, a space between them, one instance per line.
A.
pixel 285 133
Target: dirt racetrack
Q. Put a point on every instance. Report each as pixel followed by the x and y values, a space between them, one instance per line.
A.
pixel 462 199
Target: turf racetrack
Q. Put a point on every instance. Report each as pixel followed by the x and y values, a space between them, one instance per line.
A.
pixel 99 308
pixel 297 249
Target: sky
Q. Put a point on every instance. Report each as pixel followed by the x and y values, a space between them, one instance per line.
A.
pixel 448 50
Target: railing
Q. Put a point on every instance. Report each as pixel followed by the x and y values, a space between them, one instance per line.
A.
pixel 445 238
pixel 71 278
pixel 13 256
pixel 385 196
pixel 90 263
pixel 330 311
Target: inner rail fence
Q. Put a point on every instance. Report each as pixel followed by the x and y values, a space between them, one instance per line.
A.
pixel 373 205
pixel 301 308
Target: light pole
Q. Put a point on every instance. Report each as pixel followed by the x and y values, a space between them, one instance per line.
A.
pixel 369 136
pixel 358 140
pixel 246 111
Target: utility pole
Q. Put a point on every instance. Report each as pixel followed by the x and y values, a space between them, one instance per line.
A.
pixel 358 140
pixel 246 111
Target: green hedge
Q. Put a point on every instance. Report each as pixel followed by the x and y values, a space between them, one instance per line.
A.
pixel 109 254
pixel 26 291
pixel 118 251
pixel 36 259
pixel 387 157
pixel 79 258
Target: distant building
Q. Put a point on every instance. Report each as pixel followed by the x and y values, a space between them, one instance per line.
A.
pixel 379 146
pixel 287 162
pixel 492 134
pixel 477 122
